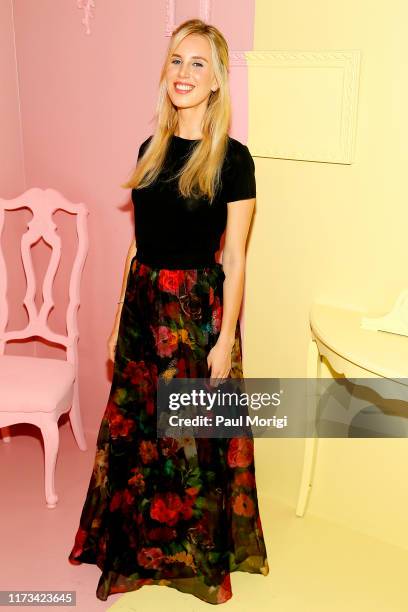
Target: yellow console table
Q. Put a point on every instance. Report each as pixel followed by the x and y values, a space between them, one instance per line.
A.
pixel 343 337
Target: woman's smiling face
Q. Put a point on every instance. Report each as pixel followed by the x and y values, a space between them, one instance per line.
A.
pixel 190 75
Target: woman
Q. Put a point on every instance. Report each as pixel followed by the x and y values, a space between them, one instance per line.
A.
pixel 182 513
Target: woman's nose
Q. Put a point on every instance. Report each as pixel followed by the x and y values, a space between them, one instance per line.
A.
pixel 184 72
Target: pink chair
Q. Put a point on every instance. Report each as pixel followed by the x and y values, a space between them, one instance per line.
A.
pixel 33 389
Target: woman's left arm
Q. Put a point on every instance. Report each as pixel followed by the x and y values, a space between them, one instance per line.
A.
pixel 233 262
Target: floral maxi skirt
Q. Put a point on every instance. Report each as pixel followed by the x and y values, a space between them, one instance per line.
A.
pixel 180 512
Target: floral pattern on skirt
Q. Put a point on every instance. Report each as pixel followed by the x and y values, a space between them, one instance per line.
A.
pixel 176 512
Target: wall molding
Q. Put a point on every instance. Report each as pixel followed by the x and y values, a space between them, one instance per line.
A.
pixel 205 7
pixel 87 6
pixel 333 74
pixel 238 58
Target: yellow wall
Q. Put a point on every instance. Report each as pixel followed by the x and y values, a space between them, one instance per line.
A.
pixel 336 232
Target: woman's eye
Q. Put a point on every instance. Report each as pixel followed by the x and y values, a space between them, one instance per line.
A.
pixel 196 63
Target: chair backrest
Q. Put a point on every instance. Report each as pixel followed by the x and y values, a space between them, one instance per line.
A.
pixel 43 203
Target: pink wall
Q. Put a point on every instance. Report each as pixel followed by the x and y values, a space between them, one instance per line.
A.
pixel 11 149
pixel 86 103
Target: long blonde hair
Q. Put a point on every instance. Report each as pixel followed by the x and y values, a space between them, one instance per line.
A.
pixel 200 175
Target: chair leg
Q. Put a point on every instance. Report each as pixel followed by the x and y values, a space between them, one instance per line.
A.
pixel 310 450
pixel 50 434
pixel 5 434
pixel 76 421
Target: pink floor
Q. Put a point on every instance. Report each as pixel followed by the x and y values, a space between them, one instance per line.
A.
pixel 35 541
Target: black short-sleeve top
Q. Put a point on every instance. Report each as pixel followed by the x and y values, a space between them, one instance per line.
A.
pixel 176 232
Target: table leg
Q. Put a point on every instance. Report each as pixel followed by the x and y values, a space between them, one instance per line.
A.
pixel 313 372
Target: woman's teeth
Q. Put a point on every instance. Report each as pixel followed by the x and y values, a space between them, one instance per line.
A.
pixel 184 88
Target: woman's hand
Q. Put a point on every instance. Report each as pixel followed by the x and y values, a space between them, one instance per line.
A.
pixel 219 360
pixel 112 340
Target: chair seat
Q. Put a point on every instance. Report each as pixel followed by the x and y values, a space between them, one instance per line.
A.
pixel 31 384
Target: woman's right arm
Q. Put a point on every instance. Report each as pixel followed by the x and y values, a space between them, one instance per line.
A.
pixel 113 337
